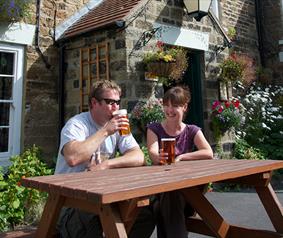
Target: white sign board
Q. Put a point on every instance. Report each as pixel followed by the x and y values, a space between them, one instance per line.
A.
pixel 182 37
pixel 18 33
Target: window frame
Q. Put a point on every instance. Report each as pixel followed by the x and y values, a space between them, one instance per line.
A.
pixel 15 117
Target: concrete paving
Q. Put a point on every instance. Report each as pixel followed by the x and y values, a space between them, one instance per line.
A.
pixel 239 208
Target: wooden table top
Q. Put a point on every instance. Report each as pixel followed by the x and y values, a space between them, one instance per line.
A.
pixel 114 185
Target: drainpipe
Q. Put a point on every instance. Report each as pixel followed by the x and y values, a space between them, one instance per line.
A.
pixel 61 87
pixel 38 50
pixel 258 18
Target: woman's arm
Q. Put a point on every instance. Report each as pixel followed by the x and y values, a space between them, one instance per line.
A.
pixel 153 147
pixel 204 150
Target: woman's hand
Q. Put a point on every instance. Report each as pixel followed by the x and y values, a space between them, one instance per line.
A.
pixel 163 157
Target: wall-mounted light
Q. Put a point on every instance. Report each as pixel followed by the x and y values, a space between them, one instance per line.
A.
pixel 197 8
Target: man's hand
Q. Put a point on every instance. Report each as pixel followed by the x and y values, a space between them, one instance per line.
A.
pixel 96 167
pixel 118 122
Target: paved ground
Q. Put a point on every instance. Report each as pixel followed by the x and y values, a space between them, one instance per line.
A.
pixel 241 208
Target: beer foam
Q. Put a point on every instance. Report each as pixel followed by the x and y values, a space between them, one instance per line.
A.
pixel 168 139
pixel 120 112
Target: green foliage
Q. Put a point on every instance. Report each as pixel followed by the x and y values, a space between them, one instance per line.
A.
pixel 17 202
pixel 147 159
pixel 244 151
pixel 14 10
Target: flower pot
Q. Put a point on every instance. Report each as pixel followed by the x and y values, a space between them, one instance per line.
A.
pixel 161 68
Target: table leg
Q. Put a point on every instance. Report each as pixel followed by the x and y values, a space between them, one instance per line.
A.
pixel 207 212
pixel 112 224
pixel 272 206
pixel 50 216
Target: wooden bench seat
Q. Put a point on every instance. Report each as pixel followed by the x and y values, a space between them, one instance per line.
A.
pixel 27 233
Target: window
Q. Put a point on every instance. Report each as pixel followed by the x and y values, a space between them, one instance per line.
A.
pixel 94 67
pixel 11 85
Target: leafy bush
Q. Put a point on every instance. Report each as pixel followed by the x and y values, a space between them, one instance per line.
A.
pixel 243 150
pixel 263 127
pixel 18 203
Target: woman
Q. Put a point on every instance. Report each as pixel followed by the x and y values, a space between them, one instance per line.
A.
pixel 171 206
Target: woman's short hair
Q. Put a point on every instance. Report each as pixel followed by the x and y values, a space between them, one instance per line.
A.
pixel 99 87
pixel 178 96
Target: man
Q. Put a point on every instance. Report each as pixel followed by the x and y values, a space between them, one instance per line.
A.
pixel 81 138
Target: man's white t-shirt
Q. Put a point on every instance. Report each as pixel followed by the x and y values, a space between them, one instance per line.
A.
pixel 81 127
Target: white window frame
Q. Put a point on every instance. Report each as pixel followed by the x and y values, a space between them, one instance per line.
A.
pixel 15 117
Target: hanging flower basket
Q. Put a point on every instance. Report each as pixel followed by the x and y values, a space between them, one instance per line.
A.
pixel 167 63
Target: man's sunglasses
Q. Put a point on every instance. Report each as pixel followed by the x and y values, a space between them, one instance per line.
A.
pixel 109 101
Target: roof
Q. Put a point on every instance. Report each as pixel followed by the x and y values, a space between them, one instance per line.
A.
pixel 108 12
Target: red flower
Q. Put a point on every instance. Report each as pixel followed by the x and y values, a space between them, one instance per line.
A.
pixel 220 109
pixel 236 103
pixel 160 44
pixel 227 104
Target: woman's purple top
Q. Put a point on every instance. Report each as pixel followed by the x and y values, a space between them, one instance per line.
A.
pixel 184 141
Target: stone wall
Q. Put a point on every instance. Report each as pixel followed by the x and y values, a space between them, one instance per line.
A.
pixel 272 32
pixel 40 126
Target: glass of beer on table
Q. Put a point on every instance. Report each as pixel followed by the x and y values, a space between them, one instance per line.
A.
pixel 123 113
pixel 168 146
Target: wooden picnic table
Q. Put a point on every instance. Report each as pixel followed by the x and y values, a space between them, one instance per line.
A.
pixel 117 194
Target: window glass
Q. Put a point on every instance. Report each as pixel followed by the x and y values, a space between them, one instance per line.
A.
pixel 6 63
pixel 6 88
pixel 4 136
pixel 4 115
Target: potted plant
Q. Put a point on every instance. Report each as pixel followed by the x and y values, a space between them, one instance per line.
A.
pixel 237 67
pixel 167 64
pixel 225 116
pixel 14 10
pixel 146 112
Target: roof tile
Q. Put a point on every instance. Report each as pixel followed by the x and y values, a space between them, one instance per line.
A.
pixel 105 14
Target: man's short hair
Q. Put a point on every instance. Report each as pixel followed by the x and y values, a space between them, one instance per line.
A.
pixel 99 87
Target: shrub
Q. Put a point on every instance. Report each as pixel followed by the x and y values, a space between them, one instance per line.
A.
pixel 243 150
pixel 263 126
pixel 18 203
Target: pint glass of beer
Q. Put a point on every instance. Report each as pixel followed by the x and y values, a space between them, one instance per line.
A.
pixel 123 113
pixel 168 146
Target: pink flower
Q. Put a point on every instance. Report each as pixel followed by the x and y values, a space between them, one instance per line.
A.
pixel 215 104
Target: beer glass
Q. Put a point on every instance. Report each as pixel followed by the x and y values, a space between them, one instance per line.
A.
pixel 168 146
pixel 123 113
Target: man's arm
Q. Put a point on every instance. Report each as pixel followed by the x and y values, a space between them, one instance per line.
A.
pixel 77 152
pixel 131 158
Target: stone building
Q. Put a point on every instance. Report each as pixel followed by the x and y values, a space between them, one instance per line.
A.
pixel 64 46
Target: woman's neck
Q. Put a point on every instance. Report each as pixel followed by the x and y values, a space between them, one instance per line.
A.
pixel 173 128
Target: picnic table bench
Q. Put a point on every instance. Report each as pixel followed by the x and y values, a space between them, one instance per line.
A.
pixel 116 195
